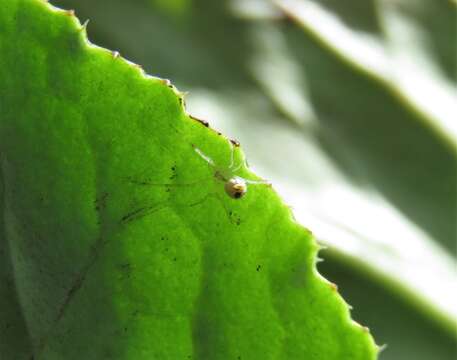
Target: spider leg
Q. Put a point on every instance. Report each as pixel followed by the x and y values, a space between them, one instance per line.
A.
pixel 230 215
pixel 203 199
pixel 148 183
pixel 257 182
pixel 146 210
pixel 238 167
pixel 150 209
pixel 141 212
pixel 232 155
pixel 204 156
pixel 232 160
pixel 243 161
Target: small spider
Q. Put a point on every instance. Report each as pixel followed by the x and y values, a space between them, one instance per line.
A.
pixel 235 186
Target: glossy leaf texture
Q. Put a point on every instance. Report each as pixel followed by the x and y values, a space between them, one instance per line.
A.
pixel 118 239
pixel 360 156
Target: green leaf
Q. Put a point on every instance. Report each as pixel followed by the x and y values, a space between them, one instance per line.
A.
pixel 379 192
pixel 122 241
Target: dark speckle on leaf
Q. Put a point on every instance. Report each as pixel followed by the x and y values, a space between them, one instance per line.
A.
pixel 235 142
pixel 100 202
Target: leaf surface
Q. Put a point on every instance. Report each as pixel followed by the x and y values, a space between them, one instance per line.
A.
pixel 371 177
pixel 122 241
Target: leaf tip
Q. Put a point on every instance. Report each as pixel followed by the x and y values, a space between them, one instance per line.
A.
pixel 69 12
pixel 365 329
pixel 381 348
pixel 333 286
pixel 84 26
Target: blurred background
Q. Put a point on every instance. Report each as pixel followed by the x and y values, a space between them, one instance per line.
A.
pixel 350 109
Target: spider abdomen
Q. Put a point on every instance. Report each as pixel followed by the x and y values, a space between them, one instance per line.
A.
pixel 235 187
